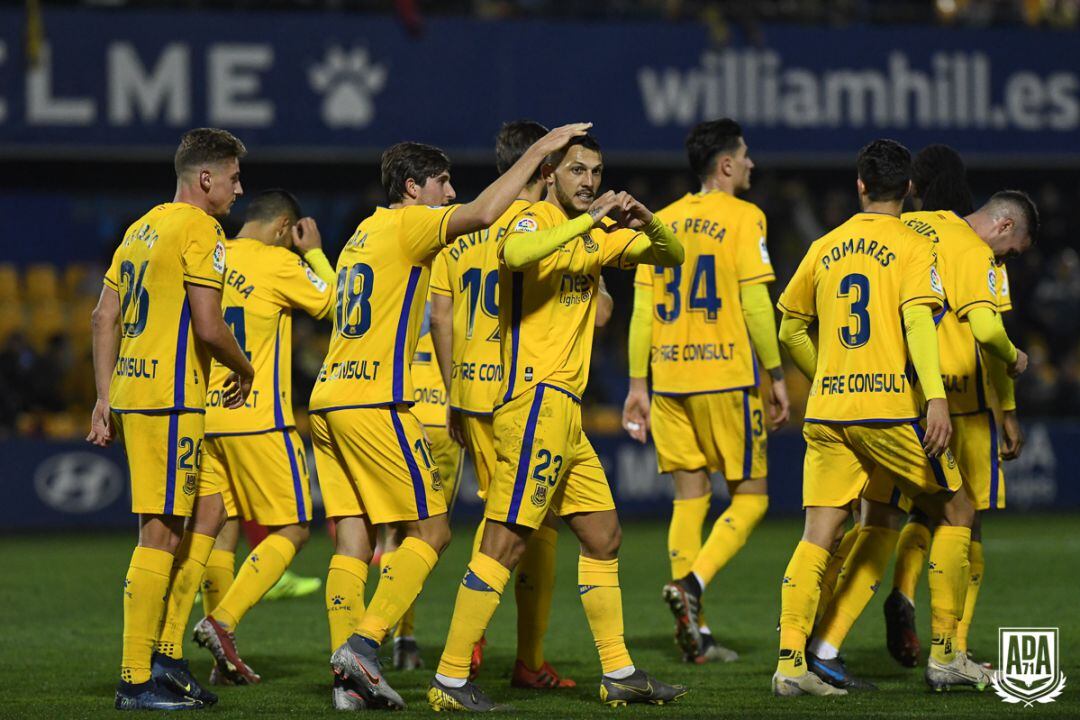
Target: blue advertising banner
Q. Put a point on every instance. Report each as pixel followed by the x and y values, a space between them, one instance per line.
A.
pixel 341 86
pixel 51 485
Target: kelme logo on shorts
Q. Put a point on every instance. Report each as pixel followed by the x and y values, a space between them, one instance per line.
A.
pixel 1029 670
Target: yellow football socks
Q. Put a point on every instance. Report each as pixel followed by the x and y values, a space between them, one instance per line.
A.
pixel 862 575
pixel 217 578
pixel 911 551
pixel 406 626
pixel 977 567
pixel 832 570
pixel 188 569
pixel 948 578
pixel 598 583
pixel 260 572
pixel 532 591
pixel 399 583
pixel 477 598
pixel 145 587
pixel 798 603
pixel 684 533
pixel 729 534
pixel 345 584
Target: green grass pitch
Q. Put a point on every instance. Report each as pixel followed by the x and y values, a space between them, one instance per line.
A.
pixel 60 611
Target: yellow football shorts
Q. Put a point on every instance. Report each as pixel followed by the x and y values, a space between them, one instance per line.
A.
pixel 721 432
pixel 447 456
pixel 480 444
pixel 163 453
pixel 262 477
pixel 841 460
pixel 975 446
pixel 376 462
pixel 543 460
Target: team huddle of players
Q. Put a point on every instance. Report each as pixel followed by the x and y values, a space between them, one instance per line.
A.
pixel 470 326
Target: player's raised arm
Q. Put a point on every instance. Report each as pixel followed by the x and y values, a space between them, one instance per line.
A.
pixel 308 241
pixel 209 326
pixel 105 326
pixel 496 197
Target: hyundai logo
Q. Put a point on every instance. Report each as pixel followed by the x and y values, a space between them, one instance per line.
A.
pixel 78 482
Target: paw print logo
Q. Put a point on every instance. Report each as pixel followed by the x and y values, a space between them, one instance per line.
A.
pixel 348 82
pixel 337 600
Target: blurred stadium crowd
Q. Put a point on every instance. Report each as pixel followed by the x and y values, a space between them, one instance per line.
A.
pixel 45 369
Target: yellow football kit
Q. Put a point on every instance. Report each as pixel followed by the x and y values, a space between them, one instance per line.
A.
pixel 546 321
pixel 972 278
pixel 371 452
pixel 706 411
pixel 862 411
pixel 468 273
pixel 431 397
pixel 254 456
pixel 158 391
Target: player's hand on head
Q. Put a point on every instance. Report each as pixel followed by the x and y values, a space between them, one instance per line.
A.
pixel 1012 436
pixel 938 427
pixel 305 235
pixel 101 428
pixel 603 205
pixel 1020 365
pixel 635 417
pixel 556 139
pixel 779 404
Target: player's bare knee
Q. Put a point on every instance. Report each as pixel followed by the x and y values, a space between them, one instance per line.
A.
pixel 435 531
pixel 603 545
pixel 504 543
pixel 823 524
pixel 882 515
pixel 958 511
pixel 298 534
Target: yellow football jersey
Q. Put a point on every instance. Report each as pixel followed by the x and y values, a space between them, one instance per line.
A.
pixel 1004 298
pixel 548 310
pixel 468 272
pixel 856 281
pixel 970 277
pixel 382 280
pixel 263 284
pixel 699 338
pixel 429 392
pixel 162 366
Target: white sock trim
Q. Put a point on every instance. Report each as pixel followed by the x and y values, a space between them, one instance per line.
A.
pixel 822 649
pixel 700 582
pixel 621 673
pixel 449 681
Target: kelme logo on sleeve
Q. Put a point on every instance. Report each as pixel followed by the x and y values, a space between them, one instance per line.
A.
pixel 1029 670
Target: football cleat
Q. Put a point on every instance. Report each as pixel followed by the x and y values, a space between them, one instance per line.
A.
pixel 477 658
pixel 711 651
pixel 151 696
pixel 806 684
pixel 901 637
pixel 543 679
pixel 685 605
pixel 220 675
pixel 407 654
pixel 468 698
pixel 835 673
pixel 221 643
pixel 345 696
pixel 176 676
pixel 639 687
pixel 363 669
pixel 960 672
pixel 292 585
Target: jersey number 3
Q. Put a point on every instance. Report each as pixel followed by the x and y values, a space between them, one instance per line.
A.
pixel 855 288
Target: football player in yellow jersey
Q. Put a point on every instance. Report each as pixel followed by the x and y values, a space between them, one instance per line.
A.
pixel 155 328
pixel 872 286
pixel 548 276
pixel 712 314
pixel 374 461
pixel 465 325
pixel 254 462
pixel 966 251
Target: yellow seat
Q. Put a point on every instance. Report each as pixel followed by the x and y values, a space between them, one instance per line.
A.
pixel 9 283
pixel 44 320
pixel 41 282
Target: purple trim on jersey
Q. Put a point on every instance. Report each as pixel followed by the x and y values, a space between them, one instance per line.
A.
pixel 941 313
pixel 279 415
pixel 170 463
pixel 748 438
pixel 297 482
pixel 526 455
pixel 402 336
pixel 565 392
pixel 863 421
pixel 414 469
pixel 995 467
pixel 661 393
pixel 516 301
pixel 935 464
pixel 180 373
pixel 894 499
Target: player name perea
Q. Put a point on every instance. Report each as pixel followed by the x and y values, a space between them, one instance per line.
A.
pixel 351 370
pixel 863 383
pixel 862 246
pixel 700 226
pixel 136 367
pixel 237 280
